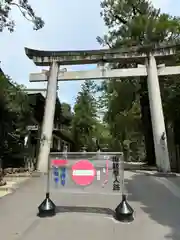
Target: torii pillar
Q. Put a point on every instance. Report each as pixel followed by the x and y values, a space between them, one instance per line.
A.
pixel 48 119
pixel 157 116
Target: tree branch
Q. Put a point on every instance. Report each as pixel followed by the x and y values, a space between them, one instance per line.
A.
pixel 23 13
pixel 120 19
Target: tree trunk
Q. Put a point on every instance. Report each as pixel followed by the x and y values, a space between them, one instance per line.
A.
pixel 2 182
pixel 177 142
pixel 146 122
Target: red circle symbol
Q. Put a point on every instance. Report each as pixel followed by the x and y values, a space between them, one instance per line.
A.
pixel 83 172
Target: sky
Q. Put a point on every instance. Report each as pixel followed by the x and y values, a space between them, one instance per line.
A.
pixel 69 25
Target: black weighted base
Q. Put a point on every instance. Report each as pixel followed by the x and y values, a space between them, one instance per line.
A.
pixel 47 208
pixel 124 212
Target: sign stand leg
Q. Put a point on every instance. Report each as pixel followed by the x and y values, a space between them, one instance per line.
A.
pixel 123 212
pixel 47 207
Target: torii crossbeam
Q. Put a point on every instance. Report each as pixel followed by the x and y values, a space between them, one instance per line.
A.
pixel 99 74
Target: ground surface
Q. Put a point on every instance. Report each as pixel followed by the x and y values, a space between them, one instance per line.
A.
pixel 87 213
pixel 11 184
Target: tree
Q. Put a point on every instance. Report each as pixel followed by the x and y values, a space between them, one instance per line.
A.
pixel 137 22
pixel 15 115
pixel 103 136
pixel 66 111
pixel 85 116
pixel 24 8
pixel 122 114
pixel 134 23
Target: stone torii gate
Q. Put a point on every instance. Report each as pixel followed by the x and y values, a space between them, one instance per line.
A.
pixel 146 66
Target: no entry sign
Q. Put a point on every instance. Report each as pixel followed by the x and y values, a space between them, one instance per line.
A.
pixel 83 172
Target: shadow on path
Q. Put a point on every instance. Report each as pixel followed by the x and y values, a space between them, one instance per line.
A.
pixel 83 209
pixel 157 201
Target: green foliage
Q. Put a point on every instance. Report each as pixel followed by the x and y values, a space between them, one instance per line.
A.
pixel 24 8
pixel 15 115
pixel 103 135
pixel 123 110
pixel 85 116
pixel 137 22
pixel 66 111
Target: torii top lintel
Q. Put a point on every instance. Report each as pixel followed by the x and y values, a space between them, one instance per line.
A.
pixel 44 58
